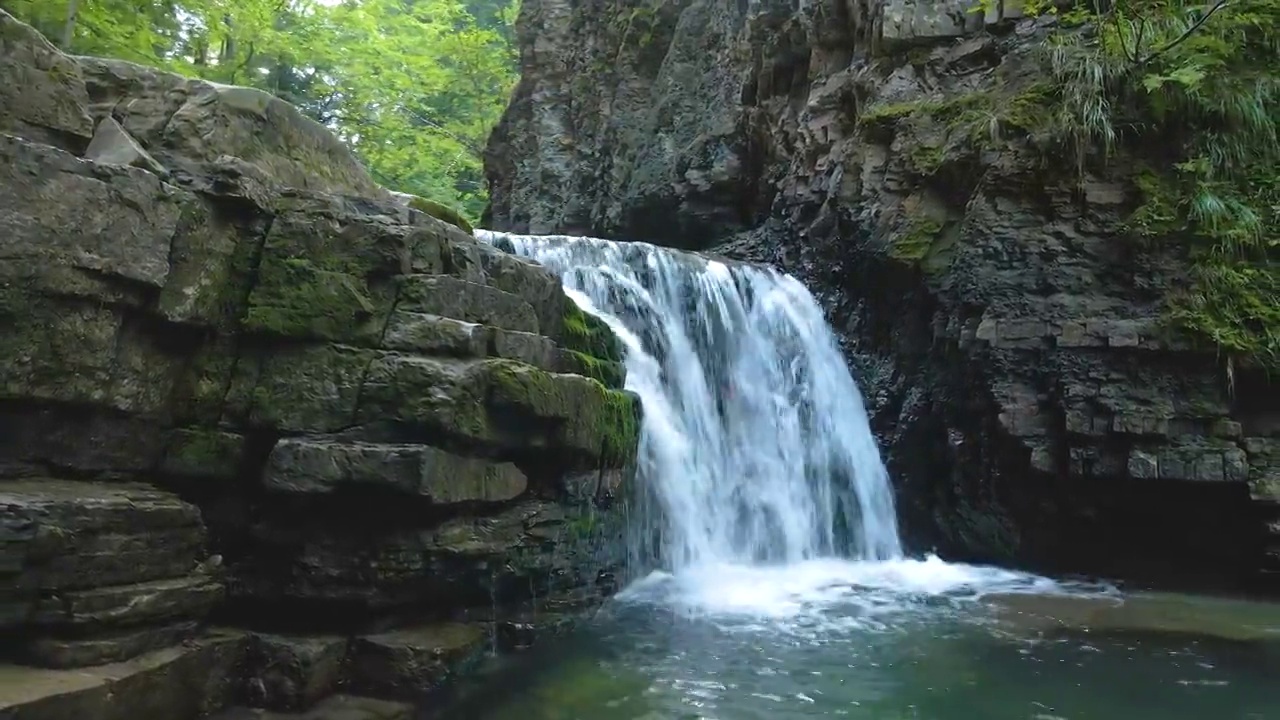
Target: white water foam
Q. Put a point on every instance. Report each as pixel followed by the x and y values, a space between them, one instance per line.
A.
pixel 775 502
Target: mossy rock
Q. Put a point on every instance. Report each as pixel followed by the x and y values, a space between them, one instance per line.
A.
pixel 202 452
pixel 611 374
pixel 442 212
pixel 589 335
pixel 294 298
pixel 593 420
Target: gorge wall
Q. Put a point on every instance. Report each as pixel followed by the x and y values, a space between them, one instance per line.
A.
pixel 1006 327
pixel 267 431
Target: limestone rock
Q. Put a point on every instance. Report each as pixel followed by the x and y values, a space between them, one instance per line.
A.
pixel 186 123
pixel 293 673
pixel 410 663
pixel 302 466
pixel 42 93
pixel 111 145
pixel 100 649
pixel 338 707
pixel 182 682
pixel 58 210
pixel 1010 338
pixel 67 536
pixel 468 301
pixel 359 415
pixel 908 20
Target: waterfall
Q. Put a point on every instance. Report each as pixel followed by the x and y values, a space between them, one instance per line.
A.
pixel 755 439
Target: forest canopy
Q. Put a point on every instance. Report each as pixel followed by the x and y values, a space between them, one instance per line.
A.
pixel 414 86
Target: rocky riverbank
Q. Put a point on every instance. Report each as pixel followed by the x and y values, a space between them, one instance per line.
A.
pixel 268 432
pixel 1006 321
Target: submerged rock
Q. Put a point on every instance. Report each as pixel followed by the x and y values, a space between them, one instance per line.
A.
pixel 1139 613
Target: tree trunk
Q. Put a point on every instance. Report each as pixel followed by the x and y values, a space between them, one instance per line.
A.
pixel 69 27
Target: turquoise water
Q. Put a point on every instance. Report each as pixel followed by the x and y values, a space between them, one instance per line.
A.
pixel 1026 650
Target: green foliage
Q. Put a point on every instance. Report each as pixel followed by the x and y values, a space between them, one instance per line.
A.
pixel 414 86
pixel 1193 89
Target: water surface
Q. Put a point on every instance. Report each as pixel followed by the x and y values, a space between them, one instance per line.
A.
pixel 783 590
pixel 891 641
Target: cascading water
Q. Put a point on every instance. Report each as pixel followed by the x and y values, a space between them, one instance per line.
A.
pixel 786 595
pixel 755 438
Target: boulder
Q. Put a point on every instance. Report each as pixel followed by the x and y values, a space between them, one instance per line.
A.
pixel 293 673
pixel 42 93
pixel 106 220
pixel 412 662
pixel 186 123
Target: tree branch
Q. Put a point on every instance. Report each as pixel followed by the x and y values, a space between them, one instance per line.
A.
pixel 467 144
pixel 1219 5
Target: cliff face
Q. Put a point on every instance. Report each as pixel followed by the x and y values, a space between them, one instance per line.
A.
pixel 1005 325
pixel 240 383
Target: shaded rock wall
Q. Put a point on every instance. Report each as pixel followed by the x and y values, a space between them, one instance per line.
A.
pixel 240 383
pixel 1004 325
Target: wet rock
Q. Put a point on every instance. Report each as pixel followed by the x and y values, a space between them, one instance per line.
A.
pixel 182 682
pixel 293 673
pixel 193 595
pixel 338 707
pixel 59 652
pixel 67 536
pixel 1138 613
pixel 412 662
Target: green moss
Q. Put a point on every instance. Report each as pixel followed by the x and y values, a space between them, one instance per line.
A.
pixel 611 374
pixel 1158 215
pixel 589 335
pixel 1234 303
pixel 968 121
pixel 621 424
pixel 592 420
pixel 443 212
pixel 915 242
pixel 294 298
pixel 927 159
pixel 203 452
pixel 524 386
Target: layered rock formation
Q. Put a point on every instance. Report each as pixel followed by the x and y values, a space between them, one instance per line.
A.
pixel 1005 325
pixel 242 384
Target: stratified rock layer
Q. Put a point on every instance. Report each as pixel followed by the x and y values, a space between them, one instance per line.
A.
pixel 1004 324
pixel 237 377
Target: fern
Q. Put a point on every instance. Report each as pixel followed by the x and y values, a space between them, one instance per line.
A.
pixel 1194 88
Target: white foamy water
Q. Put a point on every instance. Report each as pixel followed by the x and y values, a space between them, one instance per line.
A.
pixel 774 500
